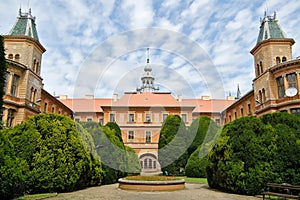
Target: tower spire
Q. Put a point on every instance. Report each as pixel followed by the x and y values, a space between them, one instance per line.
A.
pixel 147 78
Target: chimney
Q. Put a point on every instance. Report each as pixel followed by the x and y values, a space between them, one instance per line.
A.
pixel 205 97
pixel 115 97
pixel 89 96
pixel 230 98
pixel 180 98
pixel 63 97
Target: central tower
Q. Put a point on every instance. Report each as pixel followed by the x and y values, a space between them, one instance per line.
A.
pixel 147 78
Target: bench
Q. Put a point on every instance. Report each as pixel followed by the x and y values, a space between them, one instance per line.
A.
pixel 284 190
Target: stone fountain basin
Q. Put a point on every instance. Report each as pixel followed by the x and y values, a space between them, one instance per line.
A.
pixel 138 185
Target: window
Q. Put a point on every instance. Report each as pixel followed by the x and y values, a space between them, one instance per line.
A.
pixel 292 80
pixel 53 109
pixel 242 112
pixel 131 117
pixel 154 164
pixel 261 67
pixel 14 85
pixel 112 117
pixel 77 119
pixel 17 57
pixel 218 121
pixel 257 70
pixel 278 60
pixel 184 118
pixel 148 117
pixel 130 135
pixel 45 107
pixel 10 117
pixel 148 137
pixel 249 109
pixel 165 117
pixel 146 163
pixel 295 111
pixel 101 121
pixel 150 163
pixel 34 63
pixel 235 117
pixel 10 56
pixel 5 83
pixel 283 59
pixel 280 86
pixel 89 119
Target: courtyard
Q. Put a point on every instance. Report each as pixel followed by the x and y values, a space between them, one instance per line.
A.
pixel 109 192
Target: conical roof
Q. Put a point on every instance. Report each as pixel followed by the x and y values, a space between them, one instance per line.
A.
pixel 270 28
pixel 25 26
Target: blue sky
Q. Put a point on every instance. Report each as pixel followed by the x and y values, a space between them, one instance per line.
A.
pixel 196 47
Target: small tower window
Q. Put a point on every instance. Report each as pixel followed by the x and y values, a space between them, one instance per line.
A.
pixel 17 57
pixel 257 70
pixel 277 60
pixel 283 59
pixel 261 67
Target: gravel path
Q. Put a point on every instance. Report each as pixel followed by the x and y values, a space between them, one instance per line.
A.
pixel 111 192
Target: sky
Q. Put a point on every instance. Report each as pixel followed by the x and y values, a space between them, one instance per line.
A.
pixel 196 48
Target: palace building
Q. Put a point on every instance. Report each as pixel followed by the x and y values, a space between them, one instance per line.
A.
pixel 24 93
pixel 276 85
pixel 140 114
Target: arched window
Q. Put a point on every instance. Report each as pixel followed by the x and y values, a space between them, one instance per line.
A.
pixel 17 57
pixel 150 163
pixel 146 163
pixel 257 70
pixel 263 95
pixel 277 60
pixel 34 65
pixel 261 67
pixel 283 59
pixel 260 96
pixel 37 68
pixel 32 94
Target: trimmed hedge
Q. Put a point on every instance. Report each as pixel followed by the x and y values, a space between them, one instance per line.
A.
pixel 55 158
pixel 254 151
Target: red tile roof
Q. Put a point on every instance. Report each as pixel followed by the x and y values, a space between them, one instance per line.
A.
pixel 147 99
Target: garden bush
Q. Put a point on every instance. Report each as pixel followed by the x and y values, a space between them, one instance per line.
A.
pixel 55 157
pixel 10 168
pixel 254 151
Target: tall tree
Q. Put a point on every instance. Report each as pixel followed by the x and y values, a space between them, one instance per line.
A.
pixel 2 73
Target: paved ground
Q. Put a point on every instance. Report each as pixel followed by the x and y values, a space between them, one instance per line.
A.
pixel 111 192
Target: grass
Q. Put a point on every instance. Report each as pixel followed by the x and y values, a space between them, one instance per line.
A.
pixel 167 178
pixel 193 180
pixel 38 196
pixel 152 178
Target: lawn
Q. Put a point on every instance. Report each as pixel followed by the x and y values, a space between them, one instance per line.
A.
pixel 193 180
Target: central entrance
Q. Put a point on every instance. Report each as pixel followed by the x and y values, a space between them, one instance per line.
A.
pixel 149 164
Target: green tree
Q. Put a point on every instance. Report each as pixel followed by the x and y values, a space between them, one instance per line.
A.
pixel 172 145
pixel 3 69
pixel 117 159
pixel 115 126
pixel 254 151
pixel 10 168
pixel 207 132
pixel 55 156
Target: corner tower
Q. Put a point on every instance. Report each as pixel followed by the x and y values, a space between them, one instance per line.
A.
pixel 272 50
pixel 22 43
pixel 272 46
pixel 23 87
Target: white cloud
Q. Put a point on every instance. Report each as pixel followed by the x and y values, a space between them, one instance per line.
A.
pixel 72 31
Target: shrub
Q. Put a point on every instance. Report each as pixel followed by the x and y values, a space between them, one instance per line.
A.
pixel 10 168
pixel 56 157
pixel 252 152
pixel 172 145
